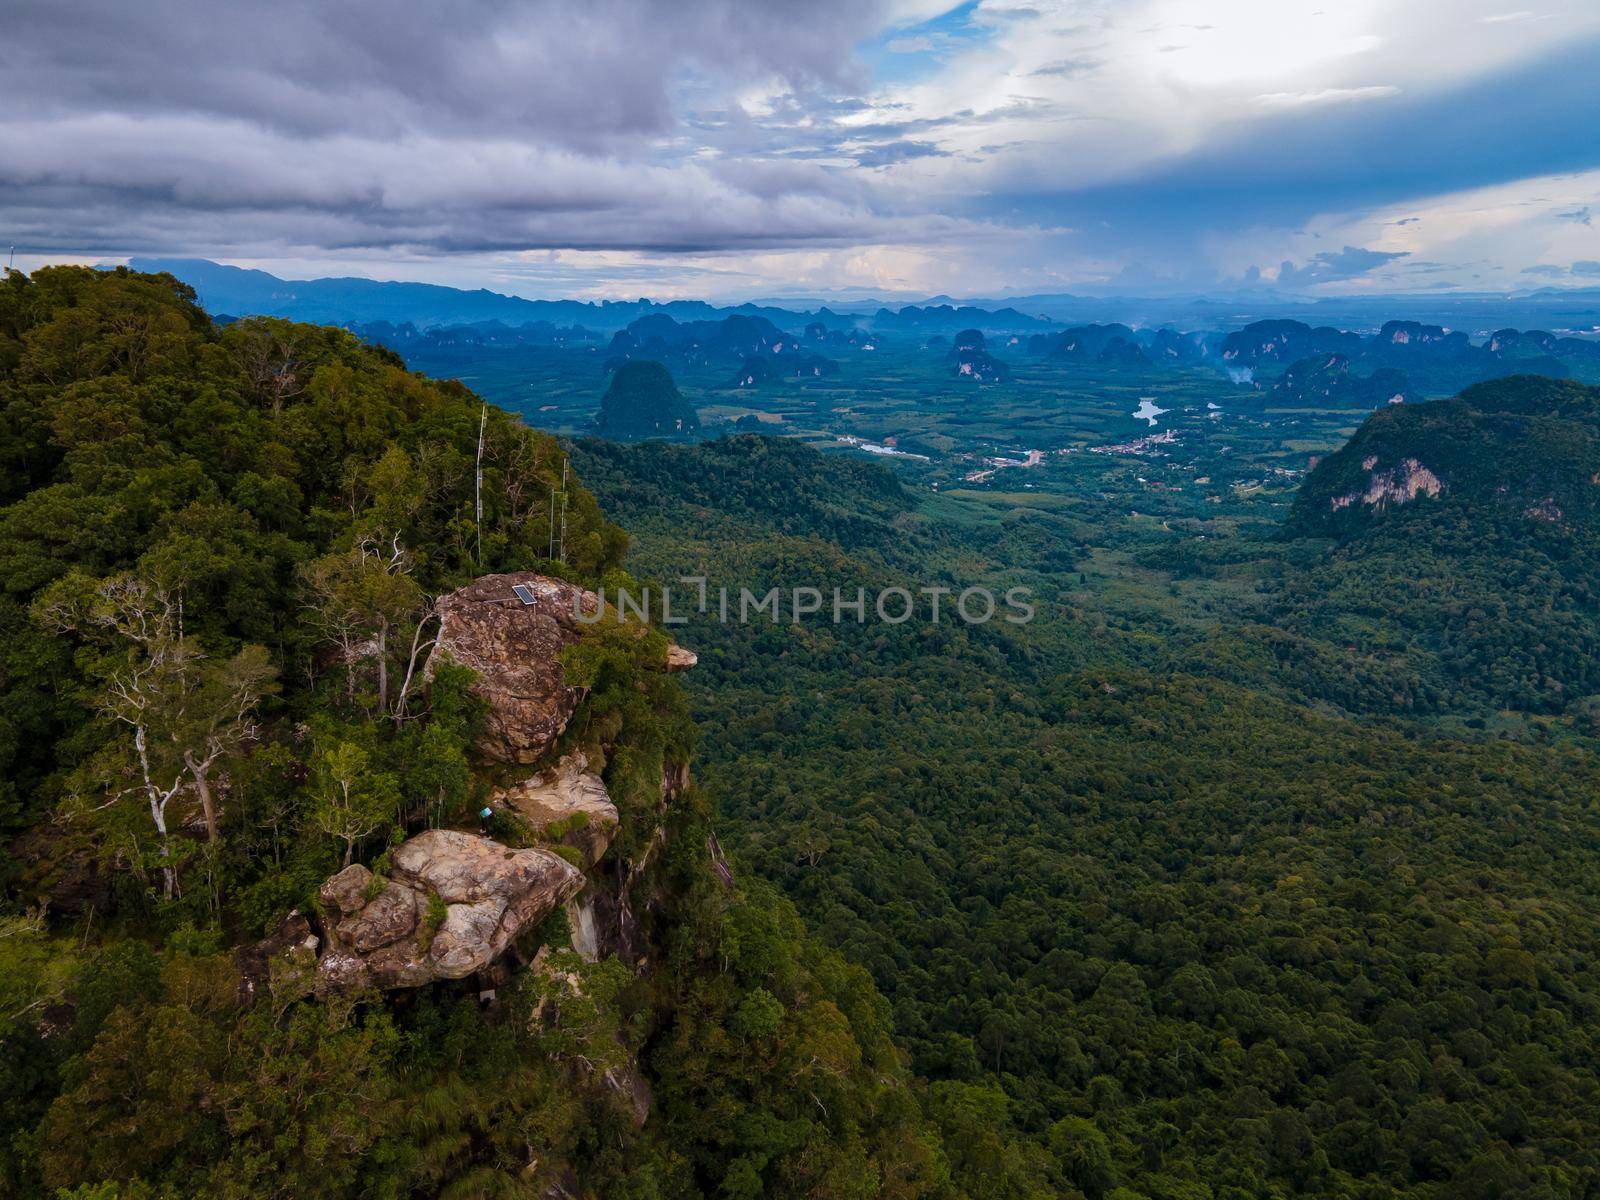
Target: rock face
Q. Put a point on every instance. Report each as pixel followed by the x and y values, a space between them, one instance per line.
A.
pixel 1395 486
pixel 1327 381
pixel 761 369
pixel 510 630
pixel 569 798
pixel 981 366
pixel 1285 341
pixel 1083 343
pixel 381 935
pixel 514 647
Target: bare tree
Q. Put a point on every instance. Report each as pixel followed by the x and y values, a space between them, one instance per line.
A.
pixel 221 718
pixel 517 453
pixel 420 651
pixel 359 599
pixel 268 357
pixel 182 712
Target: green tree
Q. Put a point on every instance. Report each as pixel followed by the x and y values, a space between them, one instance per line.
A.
pixel 352 801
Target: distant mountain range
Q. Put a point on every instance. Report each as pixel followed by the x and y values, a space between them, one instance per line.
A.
pixel 1377 347
pixel 238 292
pixel 234 291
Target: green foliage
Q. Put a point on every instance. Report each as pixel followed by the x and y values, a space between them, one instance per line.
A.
pixel 1479 597
pixel 219 549
pixel 1160 895
pixel 437 911
pixel 642 401
pixel 775 1073
pixel 1150 922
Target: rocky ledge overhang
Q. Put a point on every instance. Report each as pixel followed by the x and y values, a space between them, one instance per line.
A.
pixel 453 903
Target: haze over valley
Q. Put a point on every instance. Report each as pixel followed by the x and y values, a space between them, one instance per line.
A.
pixel 858 601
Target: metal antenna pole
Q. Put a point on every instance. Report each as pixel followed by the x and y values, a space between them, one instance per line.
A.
pixel 483 419
pixel 563 510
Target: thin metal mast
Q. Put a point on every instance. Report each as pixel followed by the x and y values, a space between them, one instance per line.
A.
pixel 483 419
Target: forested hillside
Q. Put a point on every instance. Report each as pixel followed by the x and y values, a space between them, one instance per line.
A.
pixel 1138 872
pixel 1218 879
pixel 220 552
pixel 1467 552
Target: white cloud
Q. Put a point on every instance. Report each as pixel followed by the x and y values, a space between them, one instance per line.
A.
pixel 1326 96
pixel 1482 236
pixel 717 138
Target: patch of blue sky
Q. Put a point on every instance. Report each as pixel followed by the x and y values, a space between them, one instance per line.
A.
pixel 906 54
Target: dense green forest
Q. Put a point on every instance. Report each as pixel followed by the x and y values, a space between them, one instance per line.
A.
pixel 1191 877
pixel 195 521
pixel 1261 863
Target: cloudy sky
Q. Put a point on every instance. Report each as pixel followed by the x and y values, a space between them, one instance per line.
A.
pixel 732 148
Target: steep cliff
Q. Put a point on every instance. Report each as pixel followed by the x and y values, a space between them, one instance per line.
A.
pixel 1523 448
pixel 276 664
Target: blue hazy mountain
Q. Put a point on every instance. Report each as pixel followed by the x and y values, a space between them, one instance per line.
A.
pixel 240 292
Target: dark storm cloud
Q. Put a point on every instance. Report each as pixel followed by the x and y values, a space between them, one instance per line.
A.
pixel 308 129
pixel 181 124
pixel 574 72
pixel 1333 265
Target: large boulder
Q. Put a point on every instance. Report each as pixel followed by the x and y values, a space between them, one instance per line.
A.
pixel 568 802
pixel 511 629
pixel 453 903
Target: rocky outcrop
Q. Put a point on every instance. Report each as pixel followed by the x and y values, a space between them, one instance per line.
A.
pixel 643 402
pixel 1398 485
pixel 559 986
pixel 453 903
pixel 1085 343
pixel 761 369
pixel 1328 381
pixel 981 366
pixel 568 802
pixel 56 867
pixel 1285 341
pixel 511 630
pixel 1544 510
